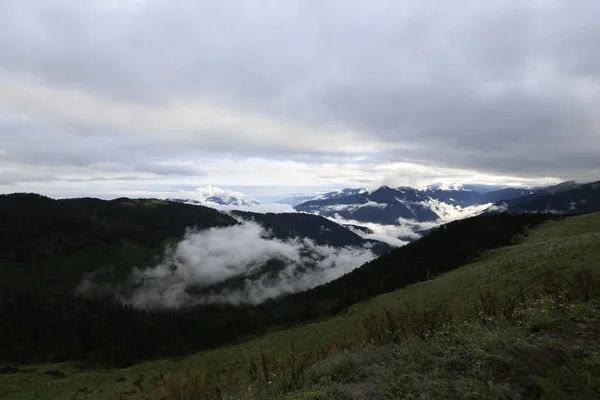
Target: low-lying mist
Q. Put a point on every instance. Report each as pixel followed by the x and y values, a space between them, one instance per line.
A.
pixel 236 265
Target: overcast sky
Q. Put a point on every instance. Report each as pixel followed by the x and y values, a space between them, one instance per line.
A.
pixel 134 97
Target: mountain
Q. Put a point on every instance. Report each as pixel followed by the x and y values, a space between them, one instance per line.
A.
pixel 565 198
pixel 320 230
pixel 324 248
pixel 102 331
pixel 478 188
pixel 60 245
pixel 90 331
pixel 357 228
pixel 468 197
pixel 464 186
pixel 388 205
pixel 442 250
pixel 297 199
pixel 505 194
pixel 294 199
pixel 383 206
pixel 213 195
pixel 50 244
pixel 340 193
pixel 32 223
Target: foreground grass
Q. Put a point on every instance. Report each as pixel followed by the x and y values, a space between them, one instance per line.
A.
pixel 557 246
pixel 547 347
pixel 524 345
pixel 549 352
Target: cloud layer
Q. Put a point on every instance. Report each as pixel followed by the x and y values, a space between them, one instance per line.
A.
pixel 142 96
pixel 407 230
pixel 231 265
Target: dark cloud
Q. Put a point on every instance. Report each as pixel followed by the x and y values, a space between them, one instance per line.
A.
pixel 507 88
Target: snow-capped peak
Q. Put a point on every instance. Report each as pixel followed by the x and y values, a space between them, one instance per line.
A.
pixel 449 186
pixel 211 191
pixel 338 194
pixel 210 194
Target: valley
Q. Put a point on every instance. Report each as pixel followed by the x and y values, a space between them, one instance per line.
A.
pixel 108 281
pixel 559 247
pixel 305 200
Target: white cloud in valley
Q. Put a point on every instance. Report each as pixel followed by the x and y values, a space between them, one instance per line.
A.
pixel 216 256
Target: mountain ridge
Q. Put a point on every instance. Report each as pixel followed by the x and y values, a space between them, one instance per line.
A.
pixel 387 205
pixel 565 198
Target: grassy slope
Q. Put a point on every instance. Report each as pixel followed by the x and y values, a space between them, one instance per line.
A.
pixel 558 246
pixel 543 351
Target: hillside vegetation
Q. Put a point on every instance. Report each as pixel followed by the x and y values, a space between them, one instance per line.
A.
pixel 48 327
pixel 566 198
pixel 558 248
pixel 48 245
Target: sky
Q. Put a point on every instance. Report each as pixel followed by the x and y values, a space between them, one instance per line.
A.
pixel 140 97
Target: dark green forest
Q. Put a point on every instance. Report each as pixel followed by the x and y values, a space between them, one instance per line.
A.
pixel 61 239
pixel 39 325
pixel 35 227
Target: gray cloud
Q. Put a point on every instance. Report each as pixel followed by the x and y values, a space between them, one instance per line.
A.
pixel 508 89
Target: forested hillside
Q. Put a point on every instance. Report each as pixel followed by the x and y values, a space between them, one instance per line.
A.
pixel 566 198
pixel 314 227
pixel 49 244
pixel 32 224
pixel 49 327
pixel 442 250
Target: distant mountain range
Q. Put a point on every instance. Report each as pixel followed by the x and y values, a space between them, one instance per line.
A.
pixel 388 205
pixel 297 199
pixel 360 211
pixel 289 225
pixel 479 188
